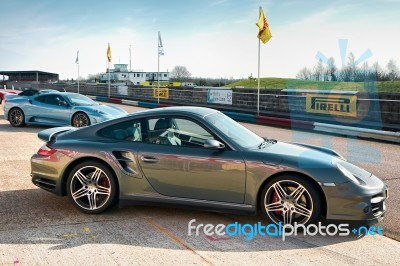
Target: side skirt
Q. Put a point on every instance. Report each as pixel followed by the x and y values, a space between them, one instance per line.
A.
pixel 160 200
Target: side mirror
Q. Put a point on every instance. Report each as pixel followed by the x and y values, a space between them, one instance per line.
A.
pixel 30 101
pixel 214 144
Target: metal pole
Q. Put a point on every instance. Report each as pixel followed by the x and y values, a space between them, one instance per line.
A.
pixel 258 85
pixel 158 76
pixel 109 84
pixel 130 59
pixel 78 77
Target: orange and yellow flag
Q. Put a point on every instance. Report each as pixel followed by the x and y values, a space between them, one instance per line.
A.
pixel 109 53
pixel 264 33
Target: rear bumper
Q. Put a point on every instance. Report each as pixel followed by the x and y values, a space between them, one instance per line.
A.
pixel 46 174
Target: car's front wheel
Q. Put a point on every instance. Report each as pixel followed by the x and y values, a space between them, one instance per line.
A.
pixel 16 117
pixel 80 119
pixel 91 187
pixel 290 199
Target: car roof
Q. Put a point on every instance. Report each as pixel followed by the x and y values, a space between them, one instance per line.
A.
pixel 194 110
pixel 57 92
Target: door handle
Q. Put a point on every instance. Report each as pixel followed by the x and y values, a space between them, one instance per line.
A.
pixel 149 159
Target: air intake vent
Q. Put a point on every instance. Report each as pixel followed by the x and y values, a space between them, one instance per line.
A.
pixel 125 160
pixel 46 184
pixel 377 205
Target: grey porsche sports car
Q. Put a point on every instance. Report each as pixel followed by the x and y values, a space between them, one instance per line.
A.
pixel 55 108
pixel 193 156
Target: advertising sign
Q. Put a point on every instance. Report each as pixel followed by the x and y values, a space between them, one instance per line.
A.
pixel 333 104
pixel 162 93
pixel 219 96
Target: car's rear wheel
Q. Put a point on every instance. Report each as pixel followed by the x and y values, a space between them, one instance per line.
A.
pixel 290 199
pixel 16 117
pixel 91 187
pixel 80 119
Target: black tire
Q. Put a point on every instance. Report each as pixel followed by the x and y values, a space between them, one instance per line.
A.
pixel 16 117
pixel 91 187
pixel 290 198
pixel 80 119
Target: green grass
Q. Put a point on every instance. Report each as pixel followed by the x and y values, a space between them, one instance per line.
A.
pixel 283 83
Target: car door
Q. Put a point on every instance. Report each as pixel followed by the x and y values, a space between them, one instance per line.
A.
pixel 176 163
pixel 51 109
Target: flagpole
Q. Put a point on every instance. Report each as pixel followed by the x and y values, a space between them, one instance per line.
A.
pixel 77 62
pixel 109 84
pixel 158 69
pixel 258 85
pixel 158 77
pixel 78 77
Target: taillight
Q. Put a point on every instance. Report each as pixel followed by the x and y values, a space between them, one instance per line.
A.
pixel 46 150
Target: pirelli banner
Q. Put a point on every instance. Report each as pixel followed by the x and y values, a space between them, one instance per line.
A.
pixel 162 93
pixel 333 104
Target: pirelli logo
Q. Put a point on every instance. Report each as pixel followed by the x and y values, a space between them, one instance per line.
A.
pixel 162 93
pixel 333 104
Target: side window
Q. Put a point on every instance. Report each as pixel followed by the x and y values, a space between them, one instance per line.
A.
pixel 53 99
pixel 130 131
pixel 177 132
pixel 41 99
pixel 28 93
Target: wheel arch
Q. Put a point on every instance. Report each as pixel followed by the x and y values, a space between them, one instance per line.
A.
pixel 69 168
pixel 307 177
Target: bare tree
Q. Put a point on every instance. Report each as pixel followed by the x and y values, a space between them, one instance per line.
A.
pixel 304 73
pixel 392 70
pixel 319 71
pixel 179 73
pixel 331 69
pixel 351 66
pixel 94 77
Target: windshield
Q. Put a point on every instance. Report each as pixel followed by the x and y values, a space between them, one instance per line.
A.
pixel 235 131
pixel 80 100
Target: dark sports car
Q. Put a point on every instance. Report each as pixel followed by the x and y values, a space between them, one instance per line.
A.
pixel 8 95
pixel 55 108
pixel 194 156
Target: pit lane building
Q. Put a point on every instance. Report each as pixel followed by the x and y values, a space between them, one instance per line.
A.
pixel 120 73
pixel 28 76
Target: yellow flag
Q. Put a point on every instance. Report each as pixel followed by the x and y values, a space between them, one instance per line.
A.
pixel 109 53
pixel 264 33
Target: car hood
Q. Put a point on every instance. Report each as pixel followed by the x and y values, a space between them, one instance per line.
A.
pixel 315 159
pixel 299 155
pixel 101 109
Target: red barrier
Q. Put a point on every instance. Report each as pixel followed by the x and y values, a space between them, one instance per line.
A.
pixel 114 100
pixel 285 122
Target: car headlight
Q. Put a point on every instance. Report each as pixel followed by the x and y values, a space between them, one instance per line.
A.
pixel 348 174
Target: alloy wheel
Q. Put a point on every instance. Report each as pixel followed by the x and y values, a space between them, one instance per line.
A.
pixel 16 117
pixel 80 120
pixel 90 188
pixel 288 201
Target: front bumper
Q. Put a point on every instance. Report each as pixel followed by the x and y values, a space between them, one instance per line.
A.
pixel 349 202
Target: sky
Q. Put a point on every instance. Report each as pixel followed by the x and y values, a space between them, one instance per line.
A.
pixel 212 38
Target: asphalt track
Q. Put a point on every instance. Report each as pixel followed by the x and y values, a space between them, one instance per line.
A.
pixel 38 228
